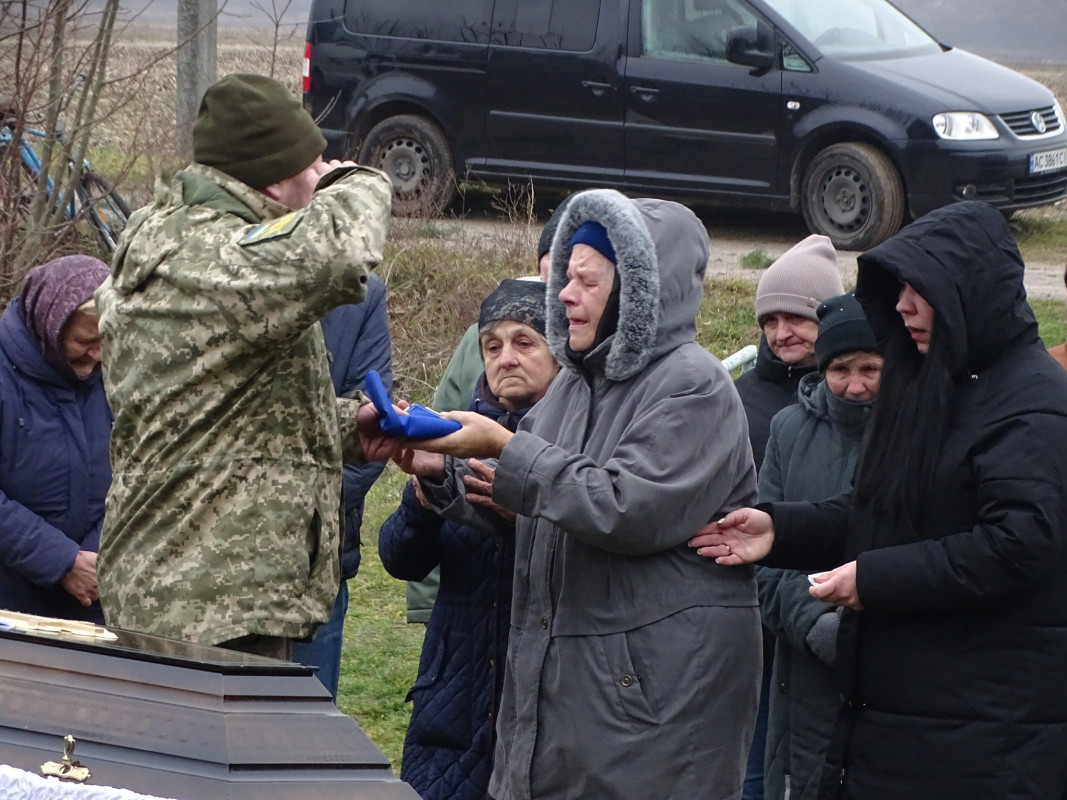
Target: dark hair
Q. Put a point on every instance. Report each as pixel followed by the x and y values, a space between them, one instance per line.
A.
pixel 903 440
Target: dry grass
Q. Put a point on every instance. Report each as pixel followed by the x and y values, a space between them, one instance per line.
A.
pixel 135 136
pixel 437 275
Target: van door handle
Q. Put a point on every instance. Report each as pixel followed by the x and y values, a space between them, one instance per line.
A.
pixel 644 92
pixel 596 87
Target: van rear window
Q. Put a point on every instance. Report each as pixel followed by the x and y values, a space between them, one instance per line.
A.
pixel 454 21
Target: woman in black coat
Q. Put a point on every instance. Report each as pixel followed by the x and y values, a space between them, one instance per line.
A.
pixel 950 554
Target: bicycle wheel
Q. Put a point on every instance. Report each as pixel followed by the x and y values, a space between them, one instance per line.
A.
pixel 105 209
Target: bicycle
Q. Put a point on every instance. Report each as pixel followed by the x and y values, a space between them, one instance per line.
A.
pixel 93 200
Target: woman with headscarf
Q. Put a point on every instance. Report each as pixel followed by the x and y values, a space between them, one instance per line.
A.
pixel 448 750
pixel 633 667
pixel 950 553
pixel 54 430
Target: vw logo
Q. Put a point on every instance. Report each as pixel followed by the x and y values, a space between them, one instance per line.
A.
pixel 1038 121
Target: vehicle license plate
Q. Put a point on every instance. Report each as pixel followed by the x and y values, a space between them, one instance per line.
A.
pixel 1048 161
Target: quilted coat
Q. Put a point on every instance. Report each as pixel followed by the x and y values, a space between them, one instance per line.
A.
pixel 448 750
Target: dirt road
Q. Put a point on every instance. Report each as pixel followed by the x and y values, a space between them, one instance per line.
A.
pixel 735 234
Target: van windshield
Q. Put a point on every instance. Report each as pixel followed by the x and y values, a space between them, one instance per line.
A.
pixel 855 28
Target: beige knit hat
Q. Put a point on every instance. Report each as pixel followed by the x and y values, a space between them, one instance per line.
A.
pixel 804 276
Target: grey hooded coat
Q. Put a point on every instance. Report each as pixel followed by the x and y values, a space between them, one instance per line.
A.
pixel 634 663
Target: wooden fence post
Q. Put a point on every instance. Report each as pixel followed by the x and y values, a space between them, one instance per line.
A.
pixel 197 64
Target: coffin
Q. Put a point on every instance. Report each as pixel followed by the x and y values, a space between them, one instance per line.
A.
pixel 176 720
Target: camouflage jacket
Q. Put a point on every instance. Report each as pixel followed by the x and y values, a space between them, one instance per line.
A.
pixel 223 517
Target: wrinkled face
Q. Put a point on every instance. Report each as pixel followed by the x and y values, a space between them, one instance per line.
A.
pixel 297 190
pixel 518 364
pixel 81 343
pixel 918 316
pixel 590 276
pixel 791 337
pixel 855 376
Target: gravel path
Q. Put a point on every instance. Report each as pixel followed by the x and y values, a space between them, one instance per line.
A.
pixel 734 235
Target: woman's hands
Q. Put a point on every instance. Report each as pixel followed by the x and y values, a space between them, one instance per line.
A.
pixel 480 489
pixel 479 437
pixel 419 463
pixel 837 587
pixel 746 535
pixel 80 582
pixel 741 537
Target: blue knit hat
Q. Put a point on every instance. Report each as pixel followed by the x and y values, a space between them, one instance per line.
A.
pixel 596 236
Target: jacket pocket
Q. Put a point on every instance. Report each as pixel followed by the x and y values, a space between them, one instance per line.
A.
pixel 903 755
pixel 441 701
pixel 631 687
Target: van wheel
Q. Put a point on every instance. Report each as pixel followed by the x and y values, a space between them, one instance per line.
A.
pixel 413 152
pixel 853 194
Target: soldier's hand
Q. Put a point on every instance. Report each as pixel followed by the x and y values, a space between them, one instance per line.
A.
pixel 376 446
pixel 326 167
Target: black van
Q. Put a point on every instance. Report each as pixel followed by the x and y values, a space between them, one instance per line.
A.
pixel 845 110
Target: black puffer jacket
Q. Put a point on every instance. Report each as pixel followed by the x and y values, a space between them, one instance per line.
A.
pixel 953 672
pixel 765 390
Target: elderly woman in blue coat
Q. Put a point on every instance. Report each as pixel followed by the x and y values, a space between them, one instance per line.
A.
pixel 54 430
pixel 448 751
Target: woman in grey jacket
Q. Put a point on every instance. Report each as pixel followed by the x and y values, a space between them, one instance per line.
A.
pixel 634 664
pixel 811 455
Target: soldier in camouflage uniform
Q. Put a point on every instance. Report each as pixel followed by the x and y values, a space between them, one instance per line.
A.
pixel 223 520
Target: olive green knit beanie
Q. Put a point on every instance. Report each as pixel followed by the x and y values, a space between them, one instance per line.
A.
pixel 251 128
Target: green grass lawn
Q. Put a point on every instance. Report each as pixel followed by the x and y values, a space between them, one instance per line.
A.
pixel 381 650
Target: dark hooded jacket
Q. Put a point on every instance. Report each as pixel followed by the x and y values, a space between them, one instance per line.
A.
pixel 766 389
pixel 357 341
pixel 953 672
pixel 811 455
pixel 634 663
pixel 448 749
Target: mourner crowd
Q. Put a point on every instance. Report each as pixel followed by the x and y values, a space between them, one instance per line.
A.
pixel 843 575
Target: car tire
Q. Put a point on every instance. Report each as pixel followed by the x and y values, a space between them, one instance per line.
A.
pixel 853 194
pixel 413 152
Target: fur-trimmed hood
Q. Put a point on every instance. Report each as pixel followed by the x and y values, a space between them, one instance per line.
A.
pixel 662 252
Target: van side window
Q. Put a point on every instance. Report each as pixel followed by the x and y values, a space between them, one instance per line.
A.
pixel 455 21
pixel 793 61
pixel 546 24
pixel 691 29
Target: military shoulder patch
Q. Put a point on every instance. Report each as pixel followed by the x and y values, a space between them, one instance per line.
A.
pixel 274 229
